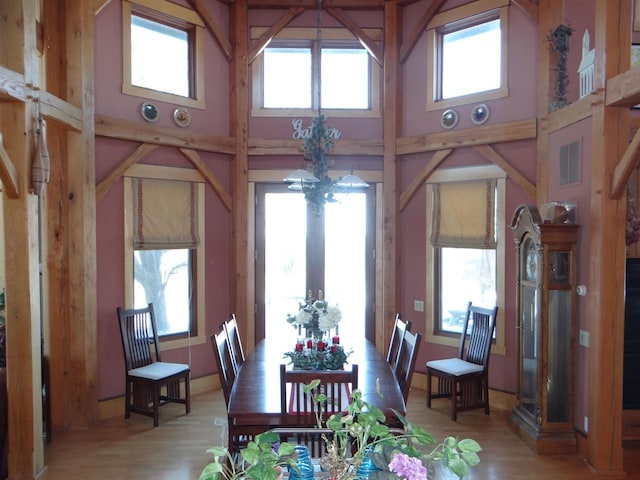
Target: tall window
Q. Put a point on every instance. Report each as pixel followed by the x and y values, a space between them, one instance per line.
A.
pixel 466 251
pixel 162 53
pixel 285 75
pixel 164 257
pixel 468 61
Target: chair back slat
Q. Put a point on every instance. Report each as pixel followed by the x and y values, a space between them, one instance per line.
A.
pixel 297 407
pixel 481 322
pixel 397 335
pixel 407 356
pixel 235 342
pixel 224 361
pixel 139 336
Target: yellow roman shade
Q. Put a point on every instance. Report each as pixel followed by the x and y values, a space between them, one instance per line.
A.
pixel 464 214
pixel 165 214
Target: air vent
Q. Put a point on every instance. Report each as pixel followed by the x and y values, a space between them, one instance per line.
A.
pixel 569 164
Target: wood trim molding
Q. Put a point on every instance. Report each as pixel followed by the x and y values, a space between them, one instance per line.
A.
pixel 490 154
pixel 428 169
pixel 367 42
pixel 112 127
pixel 8 174
pixel 485 134
pixel 213 27
pixel 197 162
pixel 272 31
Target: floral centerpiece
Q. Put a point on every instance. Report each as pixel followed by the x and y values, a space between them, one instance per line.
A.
pixel 316 317
pixel 317 351
pixel 318 355
pixel 357 435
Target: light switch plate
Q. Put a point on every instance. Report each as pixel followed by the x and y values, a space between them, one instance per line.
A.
pixel 418 306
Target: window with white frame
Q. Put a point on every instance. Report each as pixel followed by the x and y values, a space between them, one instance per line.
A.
pixel 469 57
pixel 162 52
pixel 164 257
pixel 465 251
pixel 285 77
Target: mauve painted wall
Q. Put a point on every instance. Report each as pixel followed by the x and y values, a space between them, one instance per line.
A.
pixel 110 227
pixel 519 105
pixel 412 241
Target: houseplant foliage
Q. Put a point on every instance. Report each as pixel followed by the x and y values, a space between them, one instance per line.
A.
pixel 360 431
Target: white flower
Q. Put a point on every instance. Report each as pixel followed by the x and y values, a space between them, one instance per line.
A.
pixel 303 318
pixel 330 319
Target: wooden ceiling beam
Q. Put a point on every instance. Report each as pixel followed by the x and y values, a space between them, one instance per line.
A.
pixel 267 36
pixel 490 154
pixel 421 26
pixel 437 158
pixel 211 179
pixel 504 132
pixel 348 4
pixel 8 174
pixel 107 126
pixel 212 25
pixel 105 185
pixel 367 42
pixel 623 90
pixel 12 85
pixel 625 167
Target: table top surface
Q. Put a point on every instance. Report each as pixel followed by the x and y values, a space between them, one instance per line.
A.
pixel 255 395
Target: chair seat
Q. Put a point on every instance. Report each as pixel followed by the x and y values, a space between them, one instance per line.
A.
pixel 455 366
pixel 158 370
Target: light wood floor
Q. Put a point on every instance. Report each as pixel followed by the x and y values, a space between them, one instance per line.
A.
pixel 133 449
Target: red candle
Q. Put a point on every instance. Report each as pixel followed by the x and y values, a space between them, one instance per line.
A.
pixel 299 347
pixel 336 339
pixel 309 343
pixel 320 345
pixel 334 348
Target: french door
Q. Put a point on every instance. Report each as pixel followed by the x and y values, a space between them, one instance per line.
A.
pixel 298 251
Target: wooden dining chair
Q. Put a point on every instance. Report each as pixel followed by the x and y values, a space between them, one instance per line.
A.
pixel 297 407
pixel 235 342
pixel 407 356
pixel 146 374
pixel 224 361
pixel 397 335
pixel 465 378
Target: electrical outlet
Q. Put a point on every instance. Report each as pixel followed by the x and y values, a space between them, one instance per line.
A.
pixel 584 338
pixel 418 306
pixel 586 424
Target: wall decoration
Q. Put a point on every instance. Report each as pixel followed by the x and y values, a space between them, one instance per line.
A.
pixel 480 114
pixel 449 119
pixel 182 117
pixel 149 112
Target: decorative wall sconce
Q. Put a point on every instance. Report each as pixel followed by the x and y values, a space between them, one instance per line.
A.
pixel 479 114
pixel 449 119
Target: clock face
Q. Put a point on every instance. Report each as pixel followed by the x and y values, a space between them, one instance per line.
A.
pixel 531 261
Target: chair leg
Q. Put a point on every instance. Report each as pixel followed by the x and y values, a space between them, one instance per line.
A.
pixel 485 387
pixel 127 399
pixel 454 400
pixel 187 392
pixel 428 389
pixel 156 405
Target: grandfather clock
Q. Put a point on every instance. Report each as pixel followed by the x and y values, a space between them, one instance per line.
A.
pixel 545 304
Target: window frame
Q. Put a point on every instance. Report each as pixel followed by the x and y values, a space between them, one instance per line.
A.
pixel 175 16
pixel 482 172
pixel 455 19
pixel 331 38
pixel 168 342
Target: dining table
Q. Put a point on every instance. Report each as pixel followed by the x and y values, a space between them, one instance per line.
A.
pixel 254 402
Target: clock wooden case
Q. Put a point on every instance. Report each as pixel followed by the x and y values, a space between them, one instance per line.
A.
pixel 546 284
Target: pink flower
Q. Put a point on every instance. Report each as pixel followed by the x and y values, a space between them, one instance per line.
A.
pixel 407 467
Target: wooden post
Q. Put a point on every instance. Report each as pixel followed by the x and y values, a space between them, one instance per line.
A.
pixel 389 174
pixel 17 123
pixel 239 113
pixel 607 247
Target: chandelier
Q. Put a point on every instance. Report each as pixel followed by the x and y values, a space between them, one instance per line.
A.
pixel 314 181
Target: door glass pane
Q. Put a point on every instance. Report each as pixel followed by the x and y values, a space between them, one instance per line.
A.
pixel 345 275
pixel 285 266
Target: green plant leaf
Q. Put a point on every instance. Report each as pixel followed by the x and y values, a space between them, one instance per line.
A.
pixel 458 467
pixel 471 458
pixel 469 445
pixel 211 472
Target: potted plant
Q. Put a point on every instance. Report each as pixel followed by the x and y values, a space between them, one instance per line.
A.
pixel 359 433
